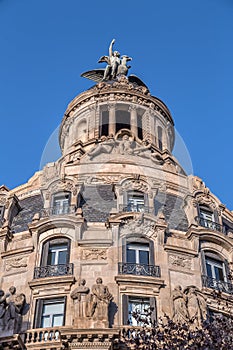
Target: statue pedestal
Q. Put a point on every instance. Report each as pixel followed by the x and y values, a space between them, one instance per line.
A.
pixel 88 322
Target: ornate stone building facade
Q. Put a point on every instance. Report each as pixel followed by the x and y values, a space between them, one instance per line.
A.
pixel 112 227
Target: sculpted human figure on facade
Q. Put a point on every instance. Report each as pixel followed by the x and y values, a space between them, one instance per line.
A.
pixel 15 303
pixel 106 146
pixel 81 297
pixel 196 305
pixel 180 314
pixel 11 307
pixel 100 300
pixel 113 61
pixel 3 306
pixel 115 64
pixel 189 305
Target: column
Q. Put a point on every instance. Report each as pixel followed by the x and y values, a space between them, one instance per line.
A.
pixel 133 119
pixel 112 118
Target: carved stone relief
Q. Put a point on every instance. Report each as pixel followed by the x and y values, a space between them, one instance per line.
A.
pixel 94 254
pixel 180 261
pixel 125 144
pixel 138 225
pixel 137 185
pixel 15 263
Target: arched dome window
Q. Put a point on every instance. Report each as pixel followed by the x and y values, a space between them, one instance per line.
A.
pixel 136 201
pixel 61 203
pixel 122 120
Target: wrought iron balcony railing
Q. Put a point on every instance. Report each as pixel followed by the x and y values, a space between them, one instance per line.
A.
pixel 210 224
pixel 58 210
pixel 139 208
pixel 53 270
pixel 221 286
pixel 138 269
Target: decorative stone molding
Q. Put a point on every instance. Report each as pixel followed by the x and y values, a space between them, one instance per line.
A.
pixel 180 261
pixel 138 225
pixel 135 184
pixel 94 254
pixel 15 263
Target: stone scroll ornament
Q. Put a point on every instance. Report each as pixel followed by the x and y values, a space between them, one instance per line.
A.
pixel 189 306
pixel 11 308
pixel 116 68
pixel 90 307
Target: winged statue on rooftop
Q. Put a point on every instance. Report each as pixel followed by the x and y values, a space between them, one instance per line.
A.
pixel 116 66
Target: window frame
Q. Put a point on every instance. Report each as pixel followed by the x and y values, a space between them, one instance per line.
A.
pixel 137 240
pixel 125 307
pixel 40 303
pixel 53 242
pixel 129 193
pixel 61 208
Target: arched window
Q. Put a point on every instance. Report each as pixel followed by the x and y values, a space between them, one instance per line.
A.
pixel 138 257
pixel 122 120
pixel 104 124
pixel 61 203
pixel 216 273
pixel 160 138
pixel 55 259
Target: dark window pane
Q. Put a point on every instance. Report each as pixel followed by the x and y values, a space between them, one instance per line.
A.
pixel 143 257
pixel 62 257
pixel 51 258
pixel 209 271
pixel 131 256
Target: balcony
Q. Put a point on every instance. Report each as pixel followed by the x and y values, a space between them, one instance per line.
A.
pixel 210 224
pixel 221 286
pixel 53 270
pixel 138 208
pixel 58 210
pixel 48 338
pixel 139 270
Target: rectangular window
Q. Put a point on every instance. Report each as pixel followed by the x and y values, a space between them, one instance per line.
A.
pixel 137 253
pixel 57 254
pixel 61 204
pixel 207 219
pixel 50 313
pixel 136 202
pixel 215 269
pixel 138 311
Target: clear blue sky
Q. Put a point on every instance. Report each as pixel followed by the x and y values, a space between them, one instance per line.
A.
pixel 183 50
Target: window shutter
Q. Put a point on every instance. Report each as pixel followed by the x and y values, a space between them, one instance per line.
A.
pixel 38 313
pixel 151 256
pixel 45 251
pixel 68 251
pixel 228 272
pixel 125 311
pixel 216 217
pixel 203 263
pixel 64 317
pixel 124 254
pixel 153 309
